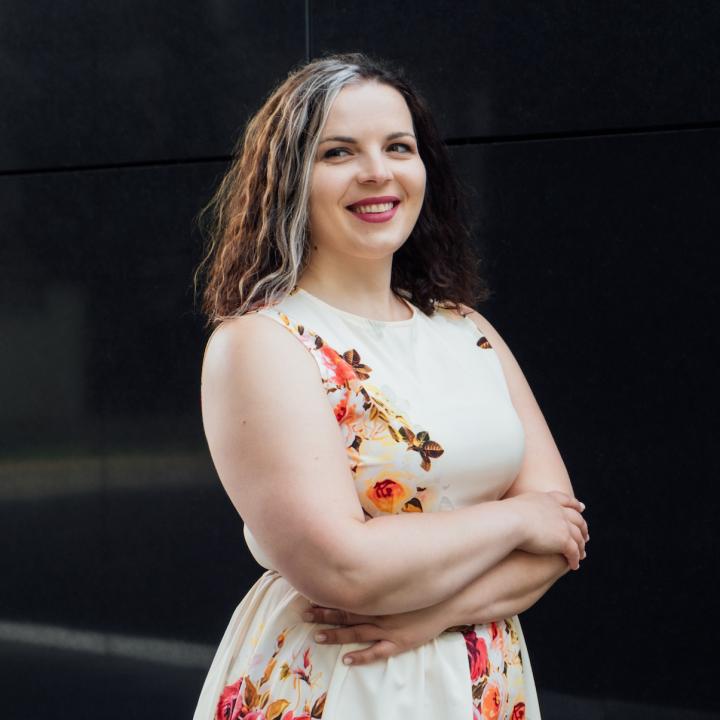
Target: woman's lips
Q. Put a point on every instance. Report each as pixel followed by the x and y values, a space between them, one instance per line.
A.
pixel 376 217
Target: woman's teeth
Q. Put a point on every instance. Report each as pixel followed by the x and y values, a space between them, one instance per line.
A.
pixel 373 208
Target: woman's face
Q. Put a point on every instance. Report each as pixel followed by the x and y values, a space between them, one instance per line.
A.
pixel 375 157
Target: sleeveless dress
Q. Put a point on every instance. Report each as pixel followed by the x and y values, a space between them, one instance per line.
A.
pixel 428 426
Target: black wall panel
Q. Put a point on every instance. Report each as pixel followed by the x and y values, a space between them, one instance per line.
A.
pixel 116 474
pixel 87 83
pixel 587 138
pixel 599 255
pixel 498 69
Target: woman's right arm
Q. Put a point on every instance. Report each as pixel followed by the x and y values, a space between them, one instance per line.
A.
pixel 280 455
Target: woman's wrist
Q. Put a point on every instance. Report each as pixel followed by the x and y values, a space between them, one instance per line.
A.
pixel 511 587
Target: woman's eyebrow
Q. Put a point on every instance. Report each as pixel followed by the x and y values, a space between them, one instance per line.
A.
pixel 345 138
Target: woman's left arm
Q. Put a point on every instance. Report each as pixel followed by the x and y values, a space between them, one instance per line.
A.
pixel 521 579
pixel 510 587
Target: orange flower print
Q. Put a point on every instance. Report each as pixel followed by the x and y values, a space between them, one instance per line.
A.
pixel 349 411
pixel 387 495
pixel 341 370
pixel 497 685
pixel 477 655
pixel 377 437
pixel 490 702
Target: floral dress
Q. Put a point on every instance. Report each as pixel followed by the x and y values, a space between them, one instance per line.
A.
pixel 428 426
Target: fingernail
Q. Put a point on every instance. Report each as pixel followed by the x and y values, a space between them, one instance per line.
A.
pixel 582 505
pixel 347 660
pixel 320 637
pixel 308 616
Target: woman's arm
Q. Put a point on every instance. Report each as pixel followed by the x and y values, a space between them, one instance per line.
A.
pixel 521 576
pixel 511 587
pixel 281 457
pixel 393 634
pixel 518 581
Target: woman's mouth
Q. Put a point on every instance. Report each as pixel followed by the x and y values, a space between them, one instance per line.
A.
pixel 375 212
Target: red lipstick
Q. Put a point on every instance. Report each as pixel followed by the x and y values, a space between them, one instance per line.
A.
pixel 376 217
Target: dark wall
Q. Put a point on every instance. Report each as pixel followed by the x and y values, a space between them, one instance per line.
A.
pixel 587 135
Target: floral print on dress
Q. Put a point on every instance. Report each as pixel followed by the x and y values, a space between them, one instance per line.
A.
pixel 388 455
pixel 248 699
pixel 496 670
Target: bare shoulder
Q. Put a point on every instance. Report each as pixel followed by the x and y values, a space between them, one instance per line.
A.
pixel 485 327
pixel 255 342
pixel 277 447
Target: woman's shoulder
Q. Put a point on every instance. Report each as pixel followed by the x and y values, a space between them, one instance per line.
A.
pixel 489 336
pixel 251 338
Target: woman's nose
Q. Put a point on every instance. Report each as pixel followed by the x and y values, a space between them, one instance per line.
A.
pixel 375 168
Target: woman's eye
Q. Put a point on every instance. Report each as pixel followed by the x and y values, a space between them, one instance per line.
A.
pixel 332 151
pixel 335 152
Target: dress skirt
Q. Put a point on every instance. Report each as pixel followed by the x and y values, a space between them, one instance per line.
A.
pixel 268 667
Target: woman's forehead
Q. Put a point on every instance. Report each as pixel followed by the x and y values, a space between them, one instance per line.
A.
pixel 368 107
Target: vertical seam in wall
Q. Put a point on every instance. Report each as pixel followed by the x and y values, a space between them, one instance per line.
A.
pixel 307 30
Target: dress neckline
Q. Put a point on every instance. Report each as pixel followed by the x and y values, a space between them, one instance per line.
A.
pixel 360 318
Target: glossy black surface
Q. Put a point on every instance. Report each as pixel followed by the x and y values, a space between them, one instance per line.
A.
pixel 87 83
pixel 117 534
pixel 599 252
pixel 516 68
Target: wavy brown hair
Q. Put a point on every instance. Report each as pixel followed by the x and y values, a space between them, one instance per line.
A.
pixel 256 223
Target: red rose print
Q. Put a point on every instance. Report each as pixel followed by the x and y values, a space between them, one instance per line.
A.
pixel 518 712
pixel 477 654
pixel 341 408
pixel 228 699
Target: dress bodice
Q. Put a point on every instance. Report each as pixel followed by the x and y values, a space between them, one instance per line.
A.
pixel 423 405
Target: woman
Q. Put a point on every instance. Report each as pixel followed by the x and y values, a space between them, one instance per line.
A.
pixel 394 473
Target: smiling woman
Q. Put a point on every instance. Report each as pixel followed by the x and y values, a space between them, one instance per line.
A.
pixel 354 229
pixel 394 475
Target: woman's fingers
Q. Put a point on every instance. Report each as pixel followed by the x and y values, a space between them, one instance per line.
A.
pixel 359 629
pixel 333 616
pixel 380 650
pixel 579 540
pixel 572 554
pixel 579 521
pixel 351 633
pixel 568 500
pixel 575 547
pixel 574 517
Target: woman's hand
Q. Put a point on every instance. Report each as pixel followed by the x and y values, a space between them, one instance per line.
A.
pixel 388 634
pixel 554 524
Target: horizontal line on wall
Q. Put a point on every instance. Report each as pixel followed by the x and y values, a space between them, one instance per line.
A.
pixel 118 166
pixel 147 649
pixel 474 140
pixel 43 479
pixel 576 134
pixel 175 653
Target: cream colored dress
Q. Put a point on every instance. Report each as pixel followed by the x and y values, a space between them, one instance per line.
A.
pixel 428 426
